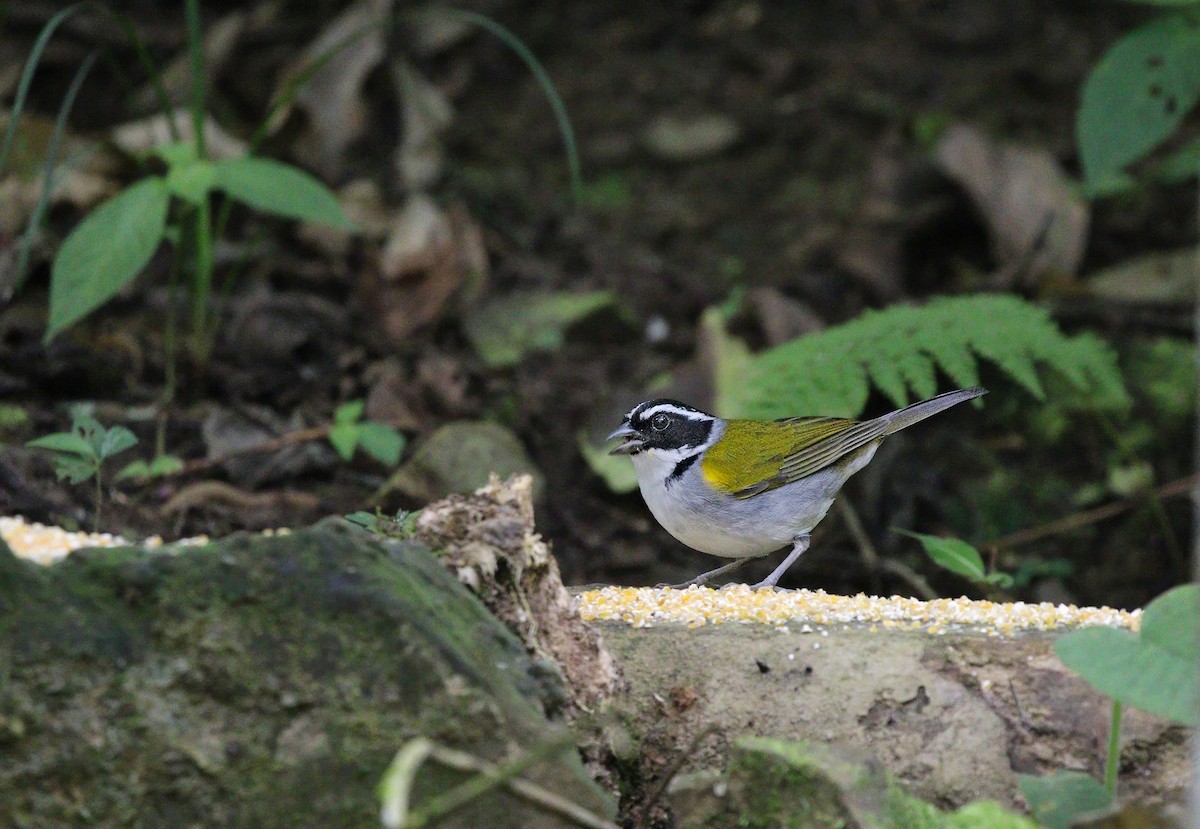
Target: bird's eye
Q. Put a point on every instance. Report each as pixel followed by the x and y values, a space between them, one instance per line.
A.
pixel 659 422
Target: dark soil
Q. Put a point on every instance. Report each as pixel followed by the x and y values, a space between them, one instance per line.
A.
pixel 825 205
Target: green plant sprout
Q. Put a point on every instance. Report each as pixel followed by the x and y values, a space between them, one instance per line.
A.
pixel 80 453
pixel 350 432
pixel 400 526
pixel 1156 670
pixel 961 558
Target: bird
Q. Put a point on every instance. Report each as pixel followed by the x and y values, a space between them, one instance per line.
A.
pixel 742 489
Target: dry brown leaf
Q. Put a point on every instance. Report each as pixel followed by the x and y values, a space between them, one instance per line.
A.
pixel 1037 220
pixel 427 257
pixel 332 99
pixel 144 134
pixel 427 113
pixel 1162 278
pixel 220 38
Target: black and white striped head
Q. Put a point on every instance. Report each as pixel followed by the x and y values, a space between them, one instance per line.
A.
pixel 666 425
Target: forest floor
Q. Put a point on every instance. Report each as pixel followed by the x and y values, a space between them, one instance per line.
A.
pixel 787 162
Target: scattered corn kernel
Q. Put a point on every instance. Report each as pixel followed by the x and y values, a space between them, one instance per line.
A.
pixel 46 545
pixel 698 606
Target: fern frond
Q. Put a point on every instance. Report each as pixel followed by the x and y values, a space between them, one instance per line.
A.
pixel 900 349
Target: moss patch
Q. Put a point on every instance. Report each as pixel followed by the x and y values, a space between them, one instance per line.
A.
pixel 255 682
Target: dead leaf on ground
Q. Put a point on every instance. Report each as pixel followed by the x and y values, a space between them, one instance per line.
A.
pixel 226 431
pixel 1036 217
pixel 332 100
pixel 82 176
pixel 427 113
pixel 1161 278
pixel 429 254
pixel 220 38
pixel 145 134
pixel 506 329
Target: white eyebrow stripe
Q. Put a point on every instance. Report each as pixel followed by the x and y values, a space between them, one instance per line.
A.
pixel 690 414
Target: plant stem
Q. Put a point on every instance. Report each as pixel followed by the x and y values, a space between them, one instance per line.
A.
pixel 1113 765
pixel 99 500
pixel 196 53
pixel 202 279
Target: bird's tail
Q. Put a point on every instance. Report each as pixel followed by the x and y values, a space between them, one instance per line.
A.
pixel 903 418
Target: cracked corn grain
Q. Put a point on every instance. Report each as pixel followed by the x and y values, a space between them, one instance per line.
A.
pixel 699 606
pixel 46 545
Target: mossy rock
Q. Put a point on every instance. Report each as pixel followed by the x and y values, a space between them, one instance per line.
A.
pixel 781 784
pixel 258 682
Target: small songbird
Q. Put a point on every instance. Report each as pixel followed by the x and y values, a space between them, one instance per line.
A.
pixel 743 488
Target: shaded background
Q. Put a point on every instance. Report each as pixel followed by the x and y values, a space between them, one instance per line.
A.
pixel 787 163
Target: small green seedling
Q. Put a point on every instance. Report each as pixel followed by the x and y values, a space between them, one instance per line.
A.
pixel 80 453
pixel 1154 670
pixel 349 432
pixel 401 525
pixel 159 467
pixel 959 557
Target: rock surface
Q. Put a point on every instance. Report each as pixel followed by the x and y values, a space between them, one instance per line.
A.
pixel 954 718
pixel 259 682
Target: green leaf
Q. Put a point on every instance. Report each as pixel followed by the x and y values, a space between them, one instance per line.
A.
pixel 161 465
pixel 344 437
pixel 830 372
pixel 75 470
pixel 68 442
pixel 1137 95
pixel 504 330
pixel 274 187
pixel 191 181
pixel 165 465
pixel 117 439
pixel 349 412
pixel 1157 670
pixel 953 554
pixel 176 153
pixel 137 469
pixel 105 252
pixel 381 442
pixel 1057 799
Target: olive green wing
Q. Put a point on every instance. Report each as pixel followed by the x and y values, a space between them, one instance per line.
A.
pixel 813 443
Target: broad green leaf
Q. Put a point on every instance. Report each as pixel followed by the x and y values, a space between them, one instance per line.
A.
pixel 105 252
pixel 176 152
pixel 161 465
pixel 1157 670
pixel 191 181
pixel 344 437
pixel 64 442
pixel 1057 799
pixel 953 554
pixel 381 442
pixel 349 412
pixel 165 465
pixel 616 470
pixel 117 439
pixel 74 469
pixel 137 469
pixel 504 330
pixel 1137 95
pixel 274 187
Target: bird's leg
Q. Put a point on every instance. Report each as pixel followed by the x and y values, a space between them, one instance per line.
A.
pixel 712 574
pixel 798 548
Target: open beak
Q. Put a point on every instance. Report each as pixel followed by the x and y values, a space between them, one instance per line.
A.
pixel 631 441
